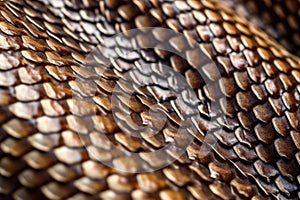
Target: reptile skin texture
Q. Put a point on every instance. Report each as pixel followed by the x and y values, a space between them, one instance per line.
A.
pixel 48 150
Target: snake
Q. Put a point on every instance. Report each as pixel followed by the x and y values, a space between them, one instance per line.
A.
pixel 65 120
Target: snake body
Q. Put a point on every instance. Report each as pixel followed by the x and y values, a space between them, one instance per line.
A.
pixel 48 150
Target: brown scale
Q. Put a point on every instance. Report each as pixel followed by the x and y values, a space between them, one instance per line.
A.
pixel 49 151
pixel 279 19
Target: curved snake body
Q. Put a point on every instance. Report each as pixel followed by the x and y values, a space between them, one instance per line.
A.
pixel 48 150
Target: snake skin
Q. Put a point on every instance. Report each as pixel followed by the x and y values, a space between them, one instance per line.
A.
pixel 280 19
pixel 47 150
